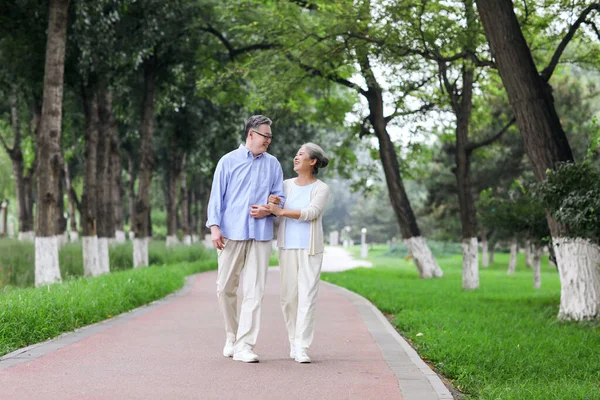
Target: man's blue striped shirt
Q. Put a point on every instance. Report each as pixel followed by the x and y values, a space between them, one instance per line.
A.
pixel 240 181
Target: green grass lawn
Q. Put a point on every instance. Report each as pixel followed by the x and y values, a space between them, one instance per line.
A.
pixel 502 341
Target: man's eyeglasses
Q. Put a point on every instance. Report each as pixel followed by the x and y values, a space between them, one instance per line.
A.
pixel 263 135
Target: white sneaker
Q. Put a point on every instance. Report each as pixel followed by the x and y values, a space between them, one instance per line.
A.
pixel 228 349
pixel 301 356
pixel 246 356
pixel 292 351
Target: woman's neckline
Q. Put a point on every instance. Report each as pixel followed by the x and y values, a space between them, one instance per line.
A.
pixel 308 184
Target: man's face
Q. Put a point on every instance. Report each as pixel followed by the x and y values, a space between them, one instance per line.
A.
pixel 260 139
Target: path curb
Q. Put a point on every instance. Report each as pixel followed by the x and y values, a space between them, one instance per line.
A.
pixel 417 381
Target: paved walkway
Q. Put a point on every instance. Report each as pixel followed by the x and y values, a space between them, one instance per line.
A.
pixel 172 350
pixel 338 259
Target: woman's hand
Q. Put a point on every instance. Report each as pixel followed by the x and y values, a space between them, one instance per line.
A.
pixel 275 210
pixel 273 198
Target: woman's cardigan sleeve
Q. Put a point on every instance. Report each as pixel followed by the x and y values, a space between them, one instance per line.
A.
pixel 317 205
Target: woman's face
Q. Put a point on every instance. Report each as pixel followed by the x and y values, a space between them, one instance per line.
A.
pixel 302 161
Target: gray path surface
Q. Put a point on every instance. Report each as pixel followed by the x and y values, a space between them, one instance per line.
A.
pixel 172 350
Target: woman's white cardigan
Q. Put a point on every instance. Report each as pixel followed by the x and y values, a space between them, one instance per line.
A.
pixel 319 196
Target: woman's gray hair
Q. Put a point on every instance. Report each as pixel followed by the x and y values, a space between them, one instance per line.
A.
pixel 315 152
pixel 254 122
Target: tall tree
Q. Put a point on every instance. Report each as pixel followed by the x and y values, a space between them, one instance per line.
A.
pixel 547 146
pixel 89 200
pixel 22 173
pixel 104 196
pixel 141 218
pixel 23 42
pixel 116 186
pixel 48 147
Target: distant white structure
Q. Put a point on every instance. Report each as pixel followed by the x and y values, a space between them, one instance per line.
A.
pixel 334 238
pixel 3 218
pixel 364 250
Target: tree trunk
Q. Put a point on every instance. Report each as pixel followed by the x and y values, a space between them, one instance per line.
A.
pixel 104 208
pixel 528 254
pixel 142 203
pixel 485 258
pixel 493 252
pixel 62 236
pixel 116 186
pixel 131 193
pixel 89 200
pixel 204 197
pixel 463 181
pixel 421 254
pixel 18 165
pixel 48 147
pixel 26 231
pixel 194 213
pixel 512 264
pixel 546 145
pixel 462 104
pixel 537 276
pixel 185 215
pixel 173 174
pixel 73 233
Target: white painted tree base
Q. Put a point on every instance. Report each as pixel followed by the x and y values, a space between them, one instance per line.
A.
pixel 73 236
pixel 47 270
pixel 195 238
pixel 485 254
pixel 187 240
pixel 512 264
pixel 103 257
pixel 24 236
pixel 172 240
pixel 140 252
pixel 470 272
pixel 91 258
pixel 579 269
pixel 120 237
pixel 537 276
pixel 131 235
pixel 208 241
pixel 422 257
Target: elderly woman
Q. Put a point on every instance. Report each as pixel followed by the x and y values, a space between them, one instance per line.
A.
pixel 300 242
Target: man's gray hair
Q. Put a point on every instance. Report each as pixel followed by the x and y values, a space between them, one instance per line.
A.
pixel 254 122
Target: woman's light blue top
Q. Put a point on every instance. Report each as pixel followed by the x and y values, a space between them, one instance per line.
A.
pixel 297 233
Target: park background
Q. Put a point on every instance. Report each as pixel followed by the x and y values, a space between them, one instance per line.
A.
pixel 432 146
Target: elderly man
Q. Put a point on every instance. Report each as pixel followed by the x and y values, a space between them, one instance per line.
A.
pixel 242 231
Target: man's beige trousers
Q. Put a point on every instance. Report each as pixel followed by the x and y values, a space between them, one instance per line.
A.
pixel 252 257
pixel 300 275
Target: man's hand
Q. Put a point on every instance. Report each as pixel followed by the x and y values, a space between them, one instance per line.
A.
pixel 217 237
pixel 259 211
pixel 273 198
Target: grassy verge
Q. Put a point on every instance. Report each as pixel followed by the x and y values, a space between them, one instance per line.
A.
pixel 502 341
pixel 274 259
pixel 17 263
pixel 30 316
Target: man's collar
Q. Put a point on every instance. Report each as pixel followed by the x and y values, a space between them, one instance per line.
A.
pixel 247 152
